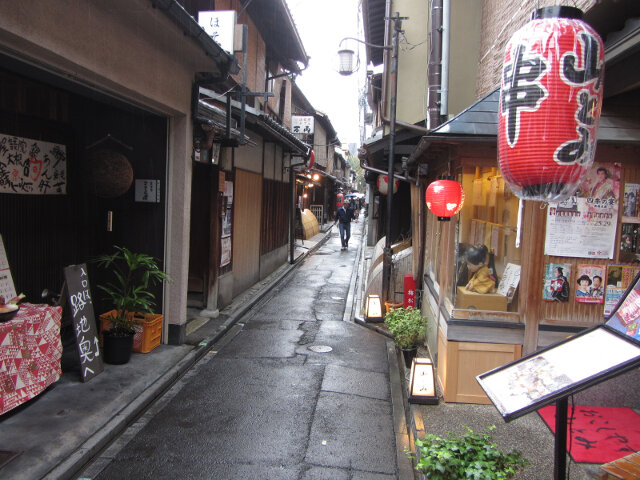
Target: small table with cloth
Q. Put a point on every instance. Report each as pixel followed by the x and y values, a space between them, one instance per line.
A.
pixel 30 354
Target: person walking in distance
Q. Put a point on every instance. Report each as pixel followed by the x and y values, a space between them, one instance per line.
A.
pixel 344 215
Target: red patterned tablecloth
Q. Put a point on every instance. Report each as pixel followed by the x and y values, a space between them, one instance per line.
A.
pixel 30 353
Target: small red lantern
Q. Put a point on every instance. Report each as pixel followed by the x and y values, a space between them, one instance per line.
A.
pixel 550 102
pixel 444 198
pixel 383 184
pixel 312 159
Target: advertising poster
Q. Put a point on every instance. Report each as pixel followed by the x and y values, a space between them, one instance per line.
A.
pixel 619 277
pixel 585 224
pixel 630 213
pixel 590 284
pixel 629 237
pixel 227 222
pixel 557 278
pixel 225 251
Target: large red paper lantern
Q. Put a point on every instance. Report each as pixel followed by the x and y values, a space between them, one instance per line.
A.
pixel 444 198
pixel 383 184
pixel 550 102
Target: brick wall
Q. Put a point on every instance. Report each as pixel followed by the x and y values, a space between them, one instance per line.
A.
pixel 500 19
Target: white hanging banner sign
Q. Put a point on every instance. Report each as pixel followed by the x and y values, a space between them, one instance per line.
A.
pixel 220 26
pixel 32 167
pixel 302 124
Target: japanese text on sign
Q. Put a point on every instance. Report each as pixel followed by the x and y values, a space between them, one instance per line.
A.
pixel 32 167
pixel 220 26
pixel 302 124
pixel 83 320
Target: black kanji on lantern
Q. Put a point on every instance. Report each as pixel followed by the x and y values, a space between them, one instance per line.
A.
pixel 521 89
pixel 591 71
pixel 577 151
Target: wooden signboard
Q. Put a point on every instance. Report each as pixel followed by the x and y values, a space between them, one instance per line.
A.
pixel 84 320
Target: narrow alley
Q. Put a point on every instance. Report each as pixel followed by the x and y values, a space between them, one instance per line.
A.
pixel 291 392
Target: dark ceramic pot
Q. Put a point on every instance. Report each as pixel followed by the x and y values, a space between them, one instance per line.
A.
pixel 409 355
pixel 117 348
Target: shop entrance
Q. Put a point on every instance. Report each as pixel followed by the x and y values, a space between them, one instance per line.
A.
pixel 108 146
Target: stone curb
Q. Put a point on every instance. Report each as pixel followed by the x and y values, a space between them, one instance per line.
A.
pixel 74 463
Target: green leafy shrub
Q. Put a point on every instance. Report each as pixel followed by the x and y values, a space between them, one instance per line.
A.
pixel 470 456
pixel 133 273
pixel 406 325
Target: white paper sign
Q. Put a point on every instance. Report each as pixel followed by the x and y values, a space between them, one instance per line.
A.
pixel 147 191
pixel 509 281
pixel 220 25
pixel 32 167
pixel 7 288
pixel 302 124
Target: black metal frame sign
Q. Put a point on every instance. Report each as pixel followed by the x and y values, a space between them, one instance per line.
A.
pixel 567 367
pixel 84 321
pixel 560 370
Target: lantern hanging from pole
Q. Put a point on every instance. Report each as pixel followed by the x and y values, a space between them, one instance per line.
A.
pixel 550 103
pixel 444 198
pixel 345 59
pixel 383 184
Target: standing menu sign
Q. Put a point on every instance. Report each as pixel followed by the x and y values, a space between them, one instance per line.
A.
pixel 84 321
pixel 569 366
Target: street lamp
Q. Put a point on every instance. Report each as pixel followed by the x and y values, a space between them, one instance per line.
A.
pixel 346 68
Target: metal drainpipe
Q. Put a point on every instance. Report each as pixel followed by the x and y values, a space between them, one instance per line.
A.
pixel 446 21
pixel 434 109
pixel 435 64
pixel 292 214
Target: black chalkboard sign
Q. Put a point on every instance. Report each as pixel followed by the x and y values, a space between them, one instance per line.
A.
pixel 84 320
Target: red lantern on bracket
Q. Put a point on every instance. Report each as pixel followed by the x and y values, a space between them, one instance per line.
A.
pixel 383 184
pixel 444 198
pixel 312 159
pixel 550 102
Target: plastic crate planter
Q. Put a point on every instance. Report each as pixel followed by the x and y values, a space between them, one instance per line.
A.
pixel 148 328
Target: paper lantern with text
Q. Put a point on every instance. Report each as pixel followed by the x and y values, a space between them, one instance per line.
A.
pixel 550 103
pixel 444 198
pixel 383 184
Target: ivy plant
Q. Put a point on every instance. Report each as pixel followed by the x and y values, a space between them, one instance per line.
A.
pixel 406 325
pixel 470 456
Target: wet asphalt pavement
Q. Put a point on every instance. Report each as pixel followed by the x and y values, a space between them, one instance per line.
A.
pixel 291 392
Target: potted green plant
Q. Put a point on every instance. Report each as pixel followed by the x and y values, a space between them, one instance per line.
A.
pixel 407 326
pixel 472 455
pixel 129 294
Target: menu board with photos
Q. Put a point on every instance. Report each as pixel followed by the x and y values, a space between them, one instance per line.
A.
pixel 569 366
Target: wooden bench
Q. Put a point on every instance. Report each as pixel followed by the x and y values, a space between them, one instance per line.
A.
pixel 626 468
